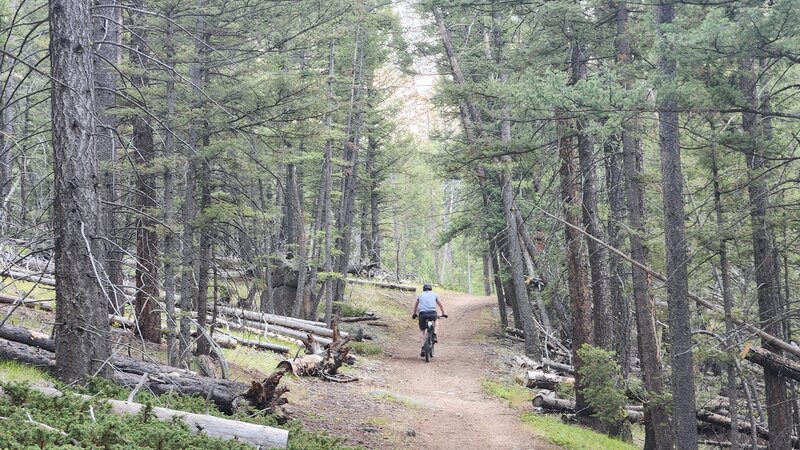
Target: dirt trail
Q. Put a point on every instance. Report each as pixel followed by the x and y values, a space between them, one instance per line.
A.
pixel 404 402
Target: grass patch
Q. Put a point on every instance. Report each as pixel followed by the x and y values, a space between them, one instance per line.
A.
pixel 17 288
pixel 571 437
pixel 366 348
pixel 349 309
pixel 391 398
pixel 376 421
pixel 15 372
pixel 516 396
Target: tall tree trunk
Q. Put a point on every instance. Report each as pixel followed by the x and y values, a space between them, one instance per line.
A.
pixel 618 298
pixel 7 134
pixel 577 257
pixel 107 32
pixel 323 214
pixel 767 269
pixel 81 330
pixel 346 214
pixel 727 301
pixel 657 431
pixel 169 192
pixel 204 255
pixel 148 314
pixel 494 254
pixel 683 405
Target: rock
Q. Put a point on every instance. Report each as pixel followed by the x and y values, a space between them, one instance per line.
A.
pixel 411 433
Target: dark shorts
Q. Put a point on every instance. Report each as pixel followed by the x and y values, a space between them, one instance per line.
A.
pixel 425 316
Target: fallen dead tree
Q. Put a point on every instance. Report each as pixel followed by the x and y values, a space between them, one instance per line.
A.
pixel 227 395
pixel 537 379
pixel 44 305
pixel 316 328
pixel 773 362
pixel 259 436
pixel 296 334
pixel 548 401
pixel 263 330
pixel 527 363
pixel 257 344
pixel 358 319
pixel 384 285
pixel 743 427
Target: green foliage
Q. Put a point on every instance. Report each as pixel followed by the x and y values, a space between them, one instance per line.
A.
pixel 11 371
pixel 570 436
pixel 71 415
pixel 603 384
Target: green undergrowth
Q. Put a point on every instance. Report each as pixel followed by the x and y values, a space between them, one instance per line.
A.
pixel 14 372
pixel 571 437
pixel 88 423
pixel 517 396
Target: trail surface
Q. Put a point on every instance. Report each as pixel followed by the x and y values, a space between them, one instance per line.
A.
pixel 404 402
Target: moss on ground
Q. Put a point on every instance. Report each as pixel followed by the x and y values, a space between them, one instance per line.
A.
pixel 517 396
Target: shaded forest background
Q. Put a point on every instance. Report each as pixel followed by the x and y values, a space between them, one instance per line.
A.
pixel 619 174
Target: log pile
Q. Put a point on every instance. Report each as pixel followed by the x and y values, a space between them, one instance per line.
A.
pixel 537 379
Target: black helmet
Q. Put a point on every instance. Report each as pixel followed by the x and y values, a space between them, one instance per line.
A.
pixel 427 287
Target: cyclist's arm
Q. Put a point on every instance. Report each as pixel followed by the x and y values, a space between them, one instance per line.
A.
pixel 416 306
pixel 440 306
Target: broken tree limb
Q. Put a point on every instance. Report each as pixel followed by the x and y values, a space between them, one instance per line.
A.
pixel 384 285
pixel 766 337
pixel 259 436
pixel 780 365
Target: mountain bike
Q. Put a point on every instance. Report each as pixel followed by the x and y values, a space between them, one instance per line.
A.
pixel 429 340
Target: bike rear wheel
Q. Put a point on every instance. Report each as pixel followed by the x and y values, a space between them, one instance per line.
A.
pixel 429 343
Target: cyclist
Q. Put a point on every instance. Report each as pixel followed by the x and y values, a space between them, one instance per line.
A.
pixel 425 309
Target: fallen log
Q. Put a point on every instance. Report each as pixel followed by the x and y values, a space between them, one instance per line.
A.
pixel 773 362
pixel 38 279
pixel 224 341
pixel 296 334
pixel 358 319
pixel 275 320
pixel 725 422
pixel 547 400
pixel 259 344
pixel 558 367
pixel 537 379
pixel 44 305
pixel 527 363
pixel 259 436
pixel 226 394
pixel 384 285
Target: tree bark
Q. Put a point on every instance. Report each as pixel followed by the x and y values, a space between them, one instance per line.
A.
pixel 681 360
pixel 658 435
pixel 81 330
pixel 767 270
pixel 577 258
pixel 170 250
pixel 346 213
pixel 107 32
pixel 148 315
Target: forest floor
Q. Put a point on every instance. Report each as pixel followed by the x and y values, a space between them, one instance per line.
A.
pixel 400 401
